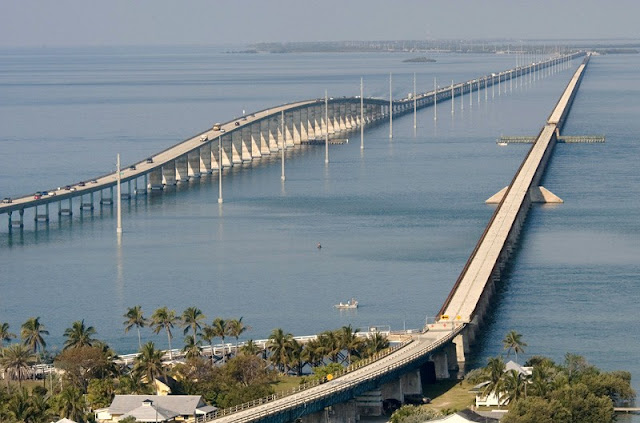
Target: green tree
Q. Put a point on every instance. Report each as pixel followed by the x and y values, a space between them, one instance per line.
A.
pixel 513 386
pixel 537 410
pixel 330 345
pixel 209 334
pixel 350 341
pixel 219 329
pixel 100 393
pixel 70 403
pixel 79 335
pixel 376 343
pixel 191 319
pixel 134 317
pixel 82 363
pixel 513 342
pixel 190 349
pixel 583 405
pixel 149 362
pixel 237 328
pixel 32 332
pixel 250 348
pixel 5 334
pixel 18 407
pixel 16 361
pixel 280 345
pixel 163 318
pixel 312 353
pixel 494 371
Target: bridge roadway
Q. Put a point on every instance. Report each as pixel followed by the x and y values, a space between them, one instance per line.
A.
pixel 252 136
pixel 469 297
pixel 461 307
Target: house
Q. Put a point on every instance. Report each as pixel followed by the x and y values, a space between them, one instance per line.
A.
pixel 493 399
pixel 65 420
pixel 146 408
pixel 465 416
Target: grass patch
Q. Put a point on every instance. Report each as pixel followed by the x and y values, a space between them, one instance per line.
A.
pixel 449 395
pixel 286 383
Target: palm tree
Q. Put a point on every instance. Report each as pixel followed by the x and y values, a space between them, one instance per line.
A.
pixel 237 328
pixel 191 318
pixel 18 408
pixel 209 334
pixel 494 371
pixel 330 345
pixel 163 318
pixel 7 336
pixel 513 386
pixel 190 349
pixel 312 352
pixel 134 318
pixel 513 341
pixel 31 333
pixel 350 341
pixel 376 343
pixel 220 329
pixel 149 362
pixel 280 345
pixel 250 348
pixel 72 404
pixel 16 361
pixel 295 357
pixel 79 335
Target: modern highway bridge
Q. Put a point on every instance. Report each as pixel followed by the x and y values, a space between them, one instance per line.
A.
pixel 444 341
pixel 248 138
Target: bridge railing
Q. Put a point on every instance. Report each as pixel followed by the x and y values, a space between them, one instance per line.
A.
pixel 304 386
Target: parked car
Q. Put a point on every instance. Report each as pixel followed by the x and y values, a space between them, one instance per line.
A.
pixel 416 399
pixel 7 200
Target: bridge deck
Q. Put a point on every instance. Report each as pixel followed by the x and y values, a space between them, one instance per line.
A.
pixel 477 273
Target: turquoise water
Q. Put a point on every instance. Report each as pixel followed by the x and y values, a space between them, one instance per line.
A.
pixel 396 222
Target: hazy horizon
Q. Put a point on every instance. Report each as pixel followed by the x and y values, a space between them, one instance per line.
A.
pixel 64 23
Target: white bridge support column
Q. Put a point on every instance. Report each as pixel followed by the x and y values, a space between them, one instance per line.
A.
pixel 288 129
pixel 254 134
pixel 296 124
pixel 321 124
pixel 342 116
pixel 354 115
pixel 461 343
pixel 344 412
pixel 311 122
pixel 205 157
pixel 169 173
pixel 227 151
pixel 273 129
pixel 236 147
pixel 264 137
pixel 304 124
pixel 214 151
pixel 181 169
pixel 193 164
pixel 155 179
pixel 245 134
pixel 42 216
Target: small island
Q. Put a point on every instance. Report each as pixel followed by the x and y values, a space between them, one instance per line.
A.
pixel 422 59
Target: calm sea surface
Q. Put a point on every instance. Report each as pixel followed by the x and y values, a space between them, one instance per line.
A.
pixel 396 222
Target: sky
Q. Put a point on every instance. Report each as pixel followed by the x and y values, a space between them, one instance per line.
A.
pixel 60 23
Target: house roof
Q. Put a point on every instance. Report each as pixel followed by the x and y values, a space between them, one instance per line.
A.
pixel 465 416
pixel 512 365
pixel 65 420
pixel 151 413
pixel 184 405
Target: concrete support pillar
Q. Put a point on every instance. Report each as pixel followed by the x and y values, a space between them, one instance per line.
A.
pixel 304 124
pixel 169 173
pixel 204 154
pixel 296 124
pixel 288 129
pixel 236 146
pixel 103 199
pixel 344 412
pixel 214 152
pixel 86 205
pixel 462 349
pixel 342 116
pixel 273 134
pixel 193 164
pixel 228 151
pixel 334 113
pixel 254 135
pixel 311 122
pixel 247 147
pixel 44 217
pixel 264 137
pixel 181 173
pixel 441 365
pixel 154 181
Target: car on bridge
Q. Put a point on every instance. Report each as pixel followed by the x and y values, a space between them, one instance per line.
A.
pixel 217 126
pixel 7 200
pixel 37 195
pixel 149 160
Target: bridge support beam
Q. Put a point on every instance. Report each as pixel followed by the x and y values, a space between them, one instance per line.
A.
pixel 204 154
pixel 256 140
pixel 236 147
pixel 193 164
pixel 345 412
pixel 227 151
pixel 169 173
pixel 181 172
pixel 273 129
pixel 44 217
pixel 155 179
pixel 265 148
pixel 245 136
pixel 441 363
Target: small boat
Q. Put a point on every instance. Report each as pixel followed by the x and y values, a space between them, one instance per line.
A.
pixel 352 303
pixel 502 144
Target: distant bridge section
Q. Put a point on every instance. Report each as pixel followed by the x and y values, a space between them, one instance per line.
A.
pixel 245 139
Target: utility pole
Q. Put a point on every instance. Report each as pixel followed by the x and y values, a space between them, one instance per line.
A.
pixel 219 169
pixel 326 119
pixel 119 199
pixel 390 108
pixel 361 114
pixel 284 144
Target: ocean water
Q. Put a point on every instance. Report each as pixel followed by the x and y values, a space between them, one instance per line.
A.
pixel 397 221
